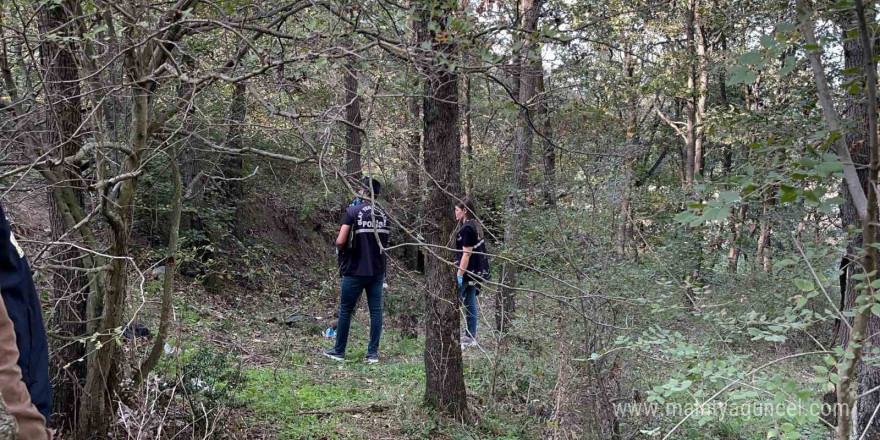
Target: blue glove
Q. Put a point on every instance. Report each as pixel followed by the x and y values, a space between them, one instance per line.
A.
pixel 460 280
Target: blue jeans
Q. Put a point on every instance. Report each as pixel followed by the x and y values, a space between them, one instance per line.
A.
pixel 352 286
pixel 467 295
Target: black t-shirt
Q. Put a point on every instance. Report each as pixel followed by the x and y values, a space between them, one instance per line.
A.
pixel 362 255
pixel 467 237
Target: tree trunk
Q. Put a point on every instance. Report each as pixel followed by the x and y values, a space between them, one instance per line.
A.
pixel 763 257
pixel 856 115
pixel 353 124
pixel 468 137
pixel 737 222
pixel 233 165
pixel 863 202
pixel 444 380
pixel 505 304
pixel 101 381
pixel 624 228
pixel 702 92
pixel 549 153
pixel 64 117
pixel 170 270
pixel 690 130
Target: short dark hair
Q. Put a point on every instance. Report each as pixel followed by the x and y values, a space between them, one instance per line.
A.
pixel 367 183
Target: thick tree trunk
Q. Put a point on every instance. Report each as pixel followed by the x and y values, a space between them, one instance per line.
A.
pixel 864 203
pixel 444 380
pixel 505 304
pixel 353 124
pixel 856 115
pixel 63 139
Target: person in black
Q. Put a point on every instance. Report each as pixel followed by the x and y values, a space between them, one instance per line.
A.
pixel 23 306
pixel 467 240
pixel 362 237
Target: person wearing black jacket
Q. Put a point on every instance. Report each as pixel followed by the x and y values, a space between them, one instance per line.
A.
pixel 22 311
pixel 362 238
pixel 468 240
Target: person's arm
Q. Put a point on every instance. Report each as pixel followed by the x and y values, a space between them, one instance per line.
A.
pixel 465 259
pixel 342 238
pixel 31 424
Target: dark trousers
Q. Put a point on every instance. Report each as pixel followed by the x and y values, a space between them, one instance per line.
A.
pixel 352 286
pixel 23 306
pixel 467 295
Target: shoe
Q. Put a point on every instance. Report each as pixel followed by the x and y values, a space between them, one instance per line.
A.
pixel 467 341
pixel 332 354
pixel 372 359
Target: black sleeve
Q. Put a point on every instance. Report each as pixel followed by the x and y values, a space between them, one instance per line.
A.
pixel 348 218
pixel 469 237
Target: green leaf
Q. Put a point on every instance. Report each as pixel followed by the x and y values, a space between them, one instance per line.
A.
pixel 789 194
pixel 820 369
pixel 805 285
pixel 854 88
pixel 785 27
pixel 751 58
pixel 685 217
pixel 788 66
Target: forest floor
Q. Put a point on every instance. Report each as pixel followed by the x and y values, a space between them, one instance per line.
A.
pixel 250 375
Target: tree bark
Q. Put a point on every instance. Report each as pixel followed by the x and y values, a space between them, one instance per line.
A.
pixel 444 380
pixel 864 202
pixel 737 222
pixel 505 304
pixel 62 140
pixel 763 256
pixel 624 229
pixel 690 130
pixel 549 152
pixel 857 115
pixel 353 123
pixel 233 165
pixel 101 382
pixel 702 94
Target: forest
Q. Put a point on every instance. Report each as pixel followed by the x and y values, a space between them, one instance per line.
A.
pixel 674 205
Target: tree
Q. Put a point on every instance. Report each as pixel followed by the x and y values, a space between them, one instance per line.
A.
pixel 444 384
pixel 528 55
pixel 866 207
pixel 64 135
pixel 352 123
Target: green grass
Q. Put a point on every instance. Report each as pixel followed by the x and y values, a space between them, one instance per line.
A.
pixel 310 382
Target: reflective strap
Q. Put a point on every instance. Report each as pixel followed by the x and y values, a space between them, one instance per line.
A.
pixel 369 230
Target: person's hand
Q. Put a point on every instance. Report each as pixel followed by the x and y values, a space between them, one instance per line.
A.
pixel 460 280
